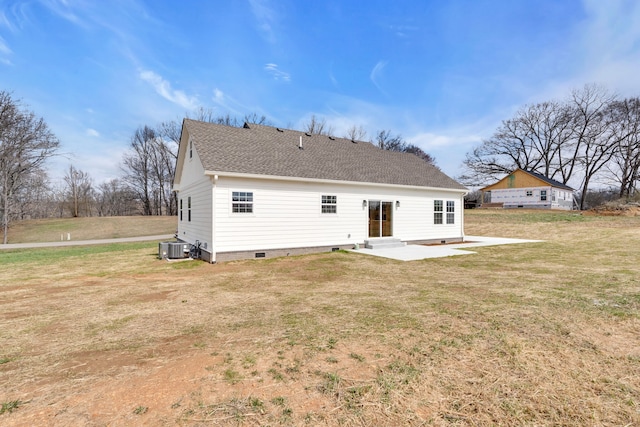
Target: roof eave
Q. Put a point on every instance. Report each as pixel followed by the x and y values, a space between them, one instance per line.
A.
pixel 214 174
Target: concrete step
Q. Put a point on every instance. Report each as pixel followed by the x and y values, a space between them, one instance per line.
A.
pixel 383 243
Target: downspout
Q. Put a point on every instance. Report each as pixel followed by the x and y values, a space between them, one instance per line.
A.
pixel 462 215
pixel 213 219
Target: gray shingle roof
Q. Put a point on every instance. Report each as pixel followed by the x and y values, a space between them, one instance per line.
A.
pixel 551 182
pixel 265 150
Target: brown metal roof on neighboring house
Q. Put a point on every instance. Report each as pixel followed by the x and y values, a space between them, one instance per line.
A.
pixel 264 150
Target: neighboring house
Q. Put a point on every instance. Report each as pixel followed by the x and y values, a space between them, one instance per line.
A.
pixel 260 191
pixel 526 189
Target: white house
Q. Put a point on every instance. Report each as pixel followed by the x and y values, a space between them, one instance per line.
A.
pixel 528 189
pixel 260 191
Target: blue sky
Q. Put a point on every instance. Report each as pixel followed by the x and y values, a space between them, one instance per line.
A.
pixel 442 74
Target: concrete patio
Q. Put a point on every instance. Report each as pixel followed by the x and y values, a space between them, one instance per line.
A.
pixel 417 252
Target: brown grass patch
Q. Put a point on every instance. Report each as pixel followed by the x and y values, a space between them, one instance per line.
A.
pixel 534 334
pixel 86 228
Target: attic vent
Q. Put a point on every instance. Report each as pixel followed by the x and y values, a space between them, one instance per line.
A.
pixel 279 130
pixel 307 133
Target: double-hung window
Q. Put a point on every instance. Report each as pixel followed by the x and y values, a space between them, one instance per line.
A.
pixel 189 208
pixel 451 210
pixel 437 211
pixel 329 204
pixel 242 202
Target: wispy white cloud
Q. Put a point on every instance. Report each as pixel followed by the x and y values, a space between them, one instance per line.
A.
pixel 14 17
pixel 403 31
pixel 265 16
pixel 63 9
pixel 277 73
pixel 610 38
pixel 218 95
pixel 163 88
pixel 4 48
pixel 429 140
pixel 376 73
pixel 228 104
pixel 606 47
pixel 5 51
pixel 5 22
pixel 93 132
pixel 332 77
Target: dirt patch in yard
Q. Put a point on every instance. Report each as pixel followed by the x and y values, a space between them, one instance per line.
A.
pixel 615 210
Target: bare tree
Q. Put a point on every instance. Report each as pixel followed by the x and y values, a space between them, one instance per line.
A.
pixel 317 126
pixel 137 167
pixel 386 141
pixel 538 138
pixel 594 132
pixel 79 191
pixel 356 133
pixel 25 144
pixel 414 149
pixel 114 198
pixel 149 167
pixel 577 139
pixel 256 119
pixel 624 169
pixel 34 198
pixel 163 166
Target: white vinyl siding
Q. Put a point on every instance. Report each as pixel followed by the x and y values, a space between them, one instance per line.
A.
pixel 197 221
pixel 287 215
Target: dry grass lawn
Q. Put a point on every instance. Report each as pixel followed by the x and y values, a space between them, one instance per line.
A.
pixel 532 334
pixel 86 228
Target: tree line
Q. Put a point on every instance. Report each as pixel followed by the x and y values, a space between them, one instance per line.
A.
pixel 147 168
pixel 591 135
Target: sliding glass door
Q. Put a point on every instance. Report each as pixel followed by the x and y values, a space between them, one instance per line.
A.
pixel 380 218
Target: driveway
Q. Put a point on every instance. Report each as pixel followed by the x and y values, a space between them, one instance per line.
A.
pixel 417 252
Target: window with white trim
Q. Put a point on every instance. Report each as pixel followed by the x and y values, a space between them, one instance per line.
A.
pixel 543 195
pixel 189 208
pixel 180 209
pixel 451 210
pixel 437 211
pixel 329 204
pixel 242 202
pixel 529 193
